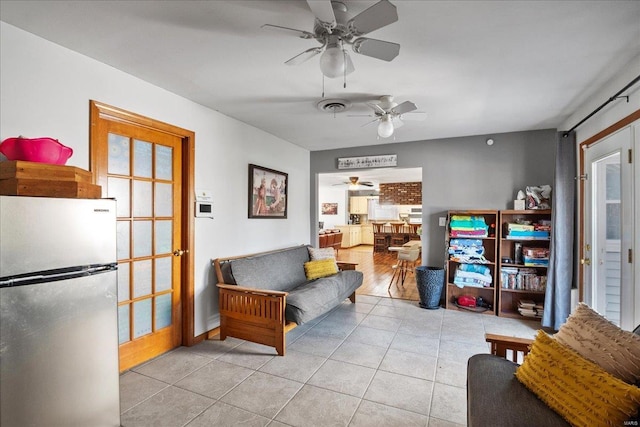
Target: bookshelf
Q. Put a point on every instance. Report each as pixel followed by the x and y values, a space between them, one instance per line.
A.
pixel 524 237
pixel 454 262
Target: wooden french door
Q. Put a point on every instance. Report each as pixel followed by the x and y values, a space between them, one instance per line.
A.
pixel 141 167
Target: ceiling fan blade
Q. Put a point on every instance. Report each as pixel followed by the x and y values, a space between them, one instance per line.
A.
pixel 302 34
pixel 405 107
pixel 304 56
pixel 366 183
pixel 368 123
pixel 414 115
pixel 350 68
pixel 323 10
pixel 377 108
pixel 377 16
pixel 397 123
pixel 376 48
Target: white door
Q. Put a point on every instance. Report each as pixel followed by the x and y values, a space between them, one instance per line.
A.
pixel 608 228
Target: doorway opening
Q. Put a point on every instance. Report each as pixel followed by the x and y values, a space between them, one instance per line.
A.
pixel 353 202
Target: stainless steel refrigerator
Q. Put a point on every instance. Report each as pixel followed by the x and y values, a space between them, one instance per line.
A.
pixel 58 313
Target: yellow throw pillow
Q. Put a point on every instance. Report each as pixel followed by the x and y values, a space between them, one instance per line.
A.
pixel 577 389
pixel 596 339
pixel 320 268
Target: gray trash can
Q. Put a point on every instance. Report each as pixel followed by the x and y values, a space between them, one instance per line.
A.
pixel 430 281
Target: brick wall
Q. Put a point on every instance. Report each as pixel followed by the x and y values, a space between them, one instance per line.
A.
pixel 401 193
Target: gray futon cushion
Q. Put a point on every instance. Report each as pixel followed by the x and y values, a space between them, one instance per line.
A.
pixel 276 271
pixel 495 397
pixel 314 298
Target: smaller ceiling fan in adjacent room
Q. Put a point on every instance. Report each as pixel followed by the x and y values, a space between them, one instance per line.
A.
pixel 333 28
pixel 354 182
pixel 390 115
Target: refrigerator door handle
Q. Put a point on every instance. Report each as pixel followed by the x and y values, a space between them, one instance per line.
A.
pixel 56 275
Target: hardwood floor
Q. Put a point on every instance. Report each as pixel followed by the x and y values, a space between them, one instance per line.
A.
pixel 376 267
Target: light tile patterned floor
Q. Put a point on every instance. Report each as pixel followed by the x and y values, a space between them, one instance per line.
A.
pixel 379 362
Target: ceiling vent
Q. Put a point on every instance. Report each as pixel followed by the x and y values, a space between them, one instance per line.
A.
pixel 334 106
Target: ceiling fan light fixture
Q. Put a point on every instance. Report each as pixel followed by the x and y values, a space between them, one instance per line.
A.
pixel 333 62
pixel 385 128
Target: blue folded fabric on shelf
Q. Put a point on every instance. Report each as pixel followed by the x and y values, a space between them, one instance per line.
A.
pixel 529 234
pixel 468 223
pixel 466 250
pixel 475 268
pixel 466 243
pixel 475 275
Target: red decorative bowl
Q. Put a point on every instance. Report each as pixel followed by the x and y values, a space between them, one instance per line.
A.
pixel 41 150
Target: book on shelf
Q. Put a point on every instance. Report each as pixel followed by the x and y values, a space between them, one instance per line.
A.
pixel 522 278
pixel 526 303
pixel 530 308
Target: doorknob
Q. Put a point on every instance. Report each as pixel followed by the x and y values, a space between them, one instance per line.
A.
pixel 583 261
pixel 180 252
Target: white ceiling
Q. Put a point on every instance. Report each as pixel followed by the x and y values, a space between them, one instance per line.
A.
pixel 475 68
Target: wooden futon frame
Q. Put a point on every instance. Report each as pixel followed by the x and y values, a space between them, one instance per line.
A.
pixel 256 315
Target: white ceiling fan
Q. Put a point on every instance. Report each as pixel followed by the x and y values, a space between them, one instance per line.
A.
pixel 354 182
pixel 334 28
pixel 390 115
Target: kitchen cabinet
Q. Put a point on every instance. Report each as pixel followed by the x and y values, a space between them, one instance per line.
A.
pixel 367 234
pixel 351 235
pixel 358 205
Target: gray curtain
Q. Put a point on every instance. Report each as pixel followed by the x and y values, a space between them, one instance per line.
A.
pixel 557 304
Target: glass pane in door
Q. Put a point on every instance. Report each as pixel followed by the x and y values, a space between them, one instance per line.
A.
pixel 142 159
pixel 119 190
pixel 142 198
pixel 164 162
pixel 123 324
pixel 142 318
pixel 118 154
pixel 607 226
pixel 163 311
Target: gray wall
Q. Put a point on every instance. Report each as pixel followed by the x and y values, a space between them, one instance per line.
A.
pixel 457 173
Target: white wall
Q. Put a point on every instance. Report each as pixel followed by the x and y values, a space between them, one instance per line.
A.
pixel 612 113
pixel 332 195
pixel 45 91
pixel 461 173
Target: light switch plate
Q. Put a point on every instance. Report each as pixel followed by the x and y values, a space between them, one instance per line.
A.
pixel 442 221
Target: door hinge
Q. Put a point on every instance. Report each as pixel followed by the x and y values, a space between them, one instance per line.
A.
pixel 630 155
pixel 630 260
pixel 582 177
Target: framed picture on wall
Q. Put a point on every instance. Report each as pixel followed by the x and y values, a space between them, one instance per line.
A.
pixel 329 209
pixel 267 192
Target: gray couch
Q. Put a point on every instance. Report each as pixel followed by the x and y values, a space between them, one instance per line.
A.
pixel 496 398
pixel 268 294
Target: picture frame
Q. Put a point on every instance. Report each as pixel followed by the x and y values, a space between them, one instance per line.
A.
pixel 329 209
pixel 384 161
pixel 268 192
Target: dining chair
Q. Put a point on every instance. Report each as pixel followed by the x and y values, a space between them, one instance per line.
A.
pixel 399 234
pixel 404 264
pixel 380 237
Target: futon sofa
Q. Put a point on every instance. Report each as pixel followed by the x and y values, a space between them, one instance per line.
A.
pixel 264 295
pixel 495 397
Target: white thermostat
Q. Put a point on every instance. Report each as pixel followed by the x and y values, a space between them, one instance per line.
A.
pixel 204 210
pixel 204 204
